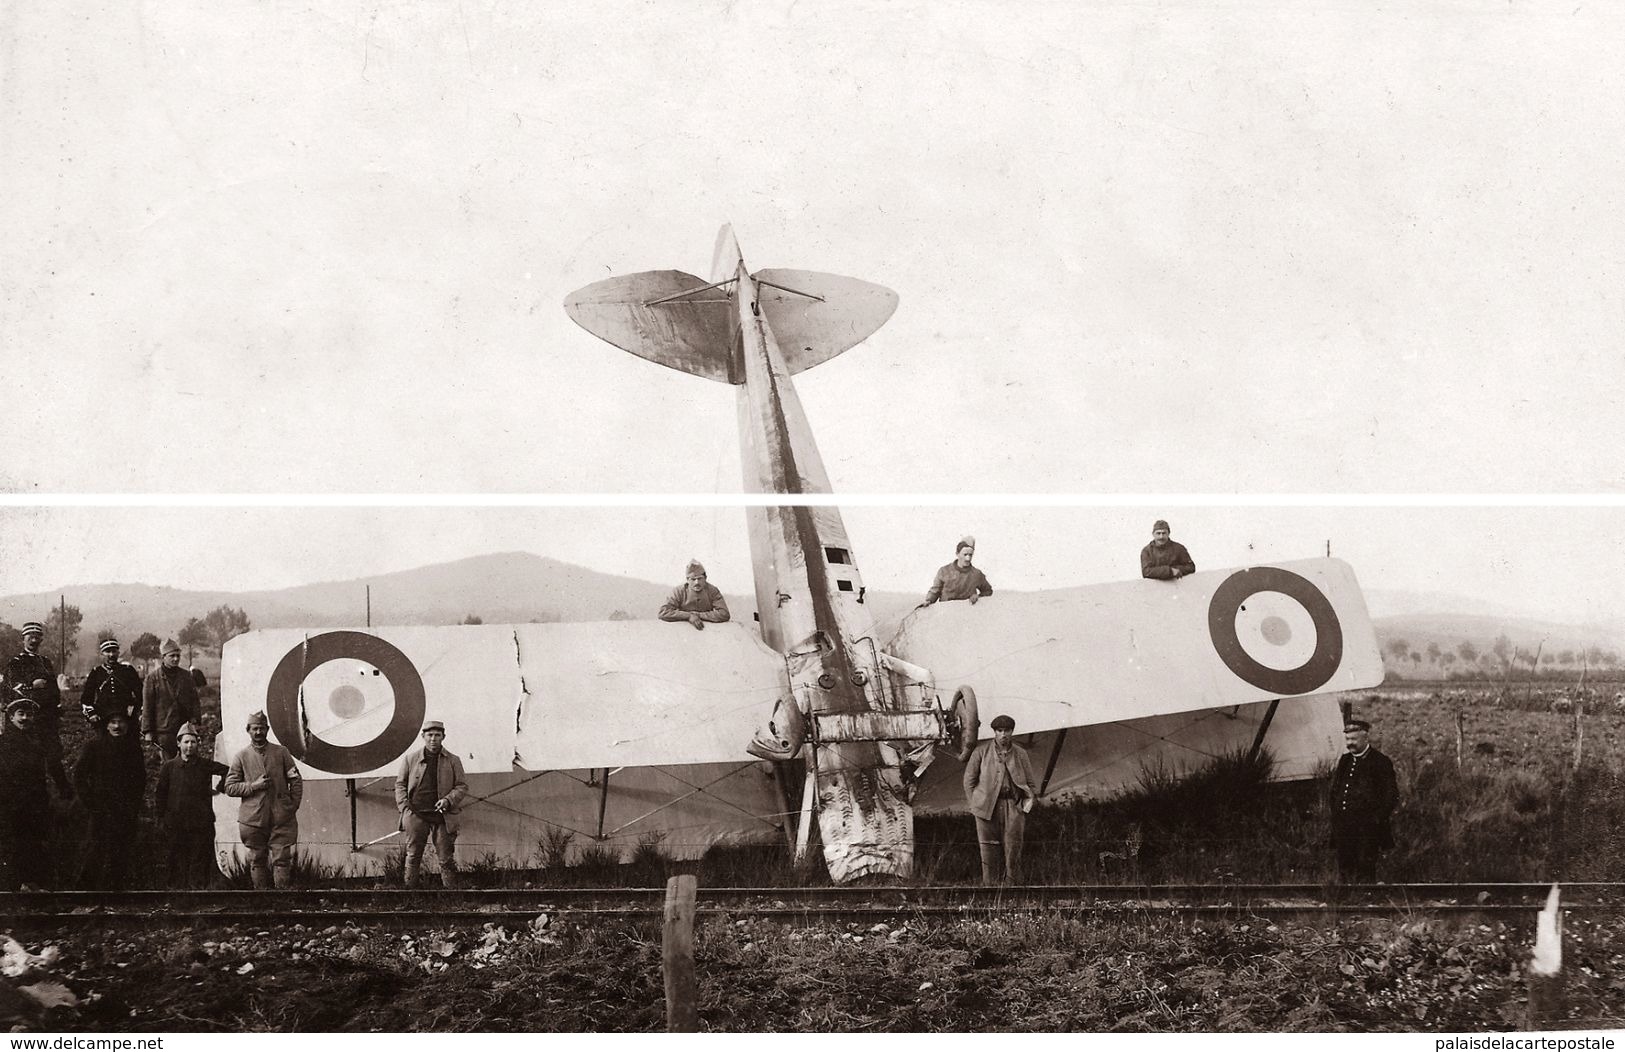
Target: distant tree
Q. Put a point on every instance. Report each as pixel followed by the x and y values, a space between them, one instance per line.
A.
pixel 103 634
pixel 1468 652
pixel 145 647
pixel 1502 648
pixel 1565 657
pixel 55 621
pixel 225 623
pixel 1400 648
pixel 194 634
pixel 1416 657
pixel 1447 659
pixel 11 641
pixel 619 615
pixel 1548 658
pixel 1434 653
pixel 473 619
pixel 1610 658
pixel 1522 656
pixel 1594 656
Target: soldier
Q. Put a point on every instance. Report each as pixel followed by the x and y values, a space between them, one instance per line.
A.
pixel 428 789
pixel 999 791
pixel 112 687
pixel 112 780
pixel 25 805
pixel 959 579
pixel 169 699
pixel 186 784
pixel 264 776
pixel 1364 795
pixel 695 601
pixel 1164 559
pixel 30 674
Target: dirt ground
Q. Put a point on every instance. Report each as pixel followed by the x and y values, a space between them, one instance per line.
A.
pixel 1022 973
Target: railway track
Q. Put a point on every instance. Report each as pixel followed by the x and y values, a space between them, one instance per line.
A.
pixel 511 906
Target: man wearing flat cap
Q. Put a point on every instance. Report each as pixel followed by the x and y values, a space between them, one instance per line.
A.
pixel 429 791
pixel 112 687
pixel 1363 797
pixel 265 778
pixel 1164 559
pixel 30 674
pixel 959 579
pixel 169 699
pixel 695 600
pixel 999 791
pixel 186 786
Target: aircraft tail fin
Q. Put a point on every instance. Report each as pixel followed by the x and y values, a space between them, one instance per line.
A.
pixel 684 323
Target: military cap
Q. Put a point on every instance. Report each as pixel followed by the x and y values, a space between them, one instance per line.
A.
pixel 1356 725
pixel 170 647
pixel 258 719
pixel 1160 524
pixel 109 646
pixel 966 541
pixel 434 725
pixel 34 627
pixel 693 567
pixel 188 728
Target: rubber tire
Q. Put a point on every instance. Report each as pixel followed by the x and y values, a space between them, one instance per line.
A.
pixel 970 723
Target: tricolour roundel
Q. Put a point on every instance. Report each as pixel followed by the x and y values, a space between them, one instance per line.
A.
pixel 347 701
pixel 1276 630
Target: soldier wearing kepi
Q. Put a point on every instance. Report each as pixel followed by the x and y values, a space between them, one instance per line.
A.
pixel 1364 795
pixel 695 600
pixel 112 687
pixel 169 699
pixel 186 787
pixel 999 791
pixel 112 780
pixel 429 787
pixel 1164 559
pixel 959 579
pixel 25 804
pixel 30 674
pixel 264 776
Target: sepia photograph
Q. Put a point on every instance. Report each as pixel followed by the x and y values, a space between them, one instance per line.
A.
pixel 821 517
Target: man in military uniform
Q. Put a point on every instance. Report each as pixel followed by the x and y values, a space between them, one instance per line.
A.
pixel 695 601
pixel 1364 794
pixel 265 778
pixel 31 675
pixel 959 579
pixel 429 791
pixel 1164 559
pixel 112 687
pixel 169 699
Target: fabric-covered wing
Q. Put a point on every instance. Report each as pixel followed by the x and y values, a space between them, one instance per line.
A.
pixel 1122 651
pixel 810 331
pixel 350 702
pixel 692 334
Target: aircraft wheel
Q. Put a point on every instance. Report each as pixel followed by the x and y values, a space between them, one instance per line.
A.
pixel 963 710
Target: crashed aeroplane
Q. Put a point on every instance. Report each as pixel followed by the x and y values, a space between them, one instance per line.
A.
pixel 619 733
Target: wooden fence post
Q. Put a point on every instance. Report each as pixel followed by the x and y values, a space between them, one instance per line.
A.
pixel 677 956
pixel 1461 737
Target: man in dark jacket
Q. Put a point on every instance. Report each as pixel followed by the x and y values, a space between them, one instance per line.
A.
pixel 959 579
pixel 1364 795
pixel 186 785
pixel 112 780
pixel 169 699
pixel 1164 559
pixel 25 803
pixel 112 687
pixel 999 791
pixel 30 674
pixel 429 791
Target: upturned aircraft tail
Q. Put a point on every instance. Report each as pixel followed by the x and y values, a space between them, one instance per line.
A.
pixel 683 322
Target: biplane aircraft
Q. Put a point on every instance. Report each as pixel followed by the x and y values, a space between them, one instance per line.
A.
pixel 815 723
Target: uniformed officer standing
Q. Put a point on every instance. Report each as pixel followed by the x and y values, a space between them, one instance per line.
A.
pixel 1364 795
pixel 112 687
pixel 31 675
pixel 169 700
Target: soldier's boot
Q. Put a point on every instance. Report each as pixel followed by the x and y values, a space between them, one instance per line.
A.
pixel 409 874
pixel 448 875
pixel 261 874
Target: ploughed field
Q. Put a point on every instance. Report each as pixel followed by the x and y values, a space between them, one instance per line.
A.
pixel 1019 973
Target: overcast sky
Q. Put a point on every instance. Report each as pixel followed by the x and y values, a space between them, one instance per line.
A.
pixel 1235 247
pixel 1558 563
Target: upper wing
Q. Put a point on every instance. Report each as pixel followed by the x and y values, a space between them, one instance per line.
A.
pixel 350 702
pixel 1121 651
